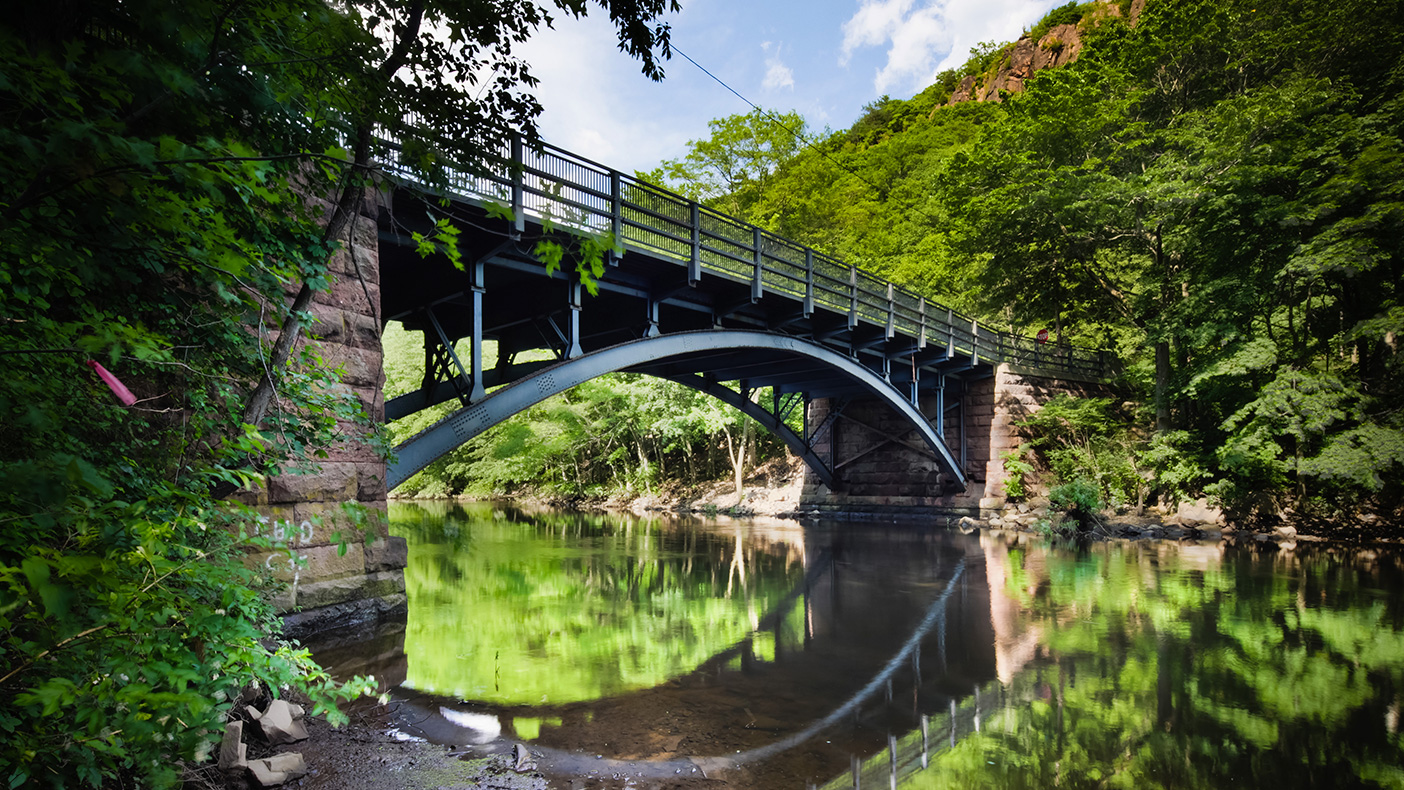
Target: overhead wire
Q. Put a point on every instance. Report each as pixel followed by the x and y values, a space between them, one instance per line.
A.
pixel 778 122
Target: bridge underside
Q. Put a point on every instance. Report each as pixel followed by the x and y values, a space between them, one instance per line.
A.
pixel 724 333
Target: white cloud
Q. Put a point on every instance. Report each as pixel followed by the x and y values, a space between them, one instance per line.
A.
pixel 594 110
pixel 925 37
pixel 777 74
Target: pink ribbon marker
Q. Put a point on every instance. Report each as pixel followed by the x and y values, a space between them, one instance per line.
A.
pixel 118 388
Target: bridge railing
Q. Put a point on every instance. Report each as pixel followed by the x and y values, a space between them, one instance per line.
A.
pixel 572 192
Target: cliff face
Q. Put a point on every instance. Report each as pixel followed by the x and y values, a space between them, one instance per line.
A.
pixel 1058 47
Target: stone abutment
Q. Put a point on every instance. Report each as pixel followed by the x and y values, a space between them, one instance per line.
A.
pixel 341 567
pixel 887 472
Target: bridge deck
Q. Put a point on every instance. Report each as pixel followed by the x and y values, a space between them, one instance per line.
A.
pixel 687 256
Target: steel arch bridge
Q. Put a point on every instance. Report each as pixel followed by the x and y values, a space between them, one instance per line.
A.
pixel 688 294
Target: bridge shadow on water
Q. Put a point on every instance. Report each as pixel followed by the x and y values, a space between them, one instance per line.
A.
pixel 879 640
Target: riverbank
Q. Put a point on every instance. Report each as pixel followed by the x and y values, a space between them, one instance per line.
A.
pixel 369 753
pixel 774 490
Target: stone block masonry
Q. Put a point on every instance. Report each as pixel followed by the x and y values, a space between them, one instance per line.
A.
pixel 886 470
pixel 333 573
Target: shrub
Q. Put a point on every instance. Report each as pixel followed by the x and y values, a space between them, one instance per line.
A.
pixel 1068 14
pixel 1079 500
pixel 1015 469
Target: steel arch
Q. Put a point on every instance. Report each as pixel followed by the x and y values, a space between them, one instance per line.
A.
pixel 433 442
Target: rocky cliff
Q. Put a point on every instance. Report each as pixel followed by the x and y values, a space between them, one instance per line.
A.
pixel 1059 46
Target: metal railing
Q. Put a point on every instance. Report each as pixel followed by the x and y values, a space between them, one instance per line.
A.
pixel 913 753
pixel 574 193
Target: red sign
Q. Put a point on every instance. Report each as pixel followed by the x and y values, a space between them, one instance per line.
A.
pixel 1042 336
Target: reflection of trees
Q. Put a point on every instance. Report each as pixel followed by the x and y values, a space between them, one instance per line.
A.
pixel 515 607
pixel 1164 667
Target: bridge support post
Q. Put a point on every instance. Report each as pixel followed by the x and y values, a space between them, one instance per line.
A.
pixel 652 330
pixel 882 471
pixel 478 392
pixel 897 479
pixel 573 349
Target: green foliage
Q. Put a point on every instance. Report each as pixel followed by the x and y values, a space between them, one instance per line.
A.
pixel 1215 190
pixel 1067 14
pixel 1066 421
pixel 1016 469
pixel 165 170
pixel 1081 439
pixel 1079 500
pixel 737 163
pixel 984 58
pixel 1177 466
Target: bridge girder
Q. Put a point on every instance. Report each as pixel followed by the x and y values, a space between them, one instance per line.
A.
pixel 451 432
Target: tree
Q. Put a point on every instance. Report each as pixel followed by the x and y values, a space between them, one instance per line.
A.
pixel 163 170
pixel 733 167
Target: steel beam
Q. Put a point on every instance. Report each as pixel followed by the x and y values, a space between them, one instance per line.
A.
pixel 404 405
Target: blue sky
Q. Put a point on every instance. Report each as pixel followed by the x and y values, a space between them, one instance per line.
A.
pixel 825 59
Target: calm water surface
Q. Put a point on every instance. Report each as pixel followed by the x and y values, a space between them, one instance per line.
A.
pixel 654 652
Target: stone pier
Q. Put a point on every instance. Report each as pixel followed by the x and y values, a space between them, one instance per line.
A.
pixel 885 470
pixel 340 570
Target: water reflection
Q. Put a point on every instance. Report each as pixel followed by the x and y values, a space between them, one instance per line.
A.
pixel 778 657
pixel 545 607
pixel 1165 665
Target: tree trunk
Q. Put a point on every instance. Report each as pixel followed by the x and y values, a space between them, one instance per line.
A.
pixel 736 453
pixel 1162 387
pixel 345 210
pixel 643 465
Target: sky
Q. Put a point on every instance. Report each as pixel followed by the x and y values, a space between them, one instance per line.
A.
pixel 825 59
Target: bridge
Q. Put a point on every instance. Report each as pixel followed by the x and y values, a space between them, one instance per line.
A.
pixel 687 294
pixel 897 405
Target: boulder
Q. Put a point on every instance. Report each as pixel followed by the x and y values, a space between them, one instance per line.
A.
pixel 281 722
pixel 278 769
pixel 232 750
pixel 1199 512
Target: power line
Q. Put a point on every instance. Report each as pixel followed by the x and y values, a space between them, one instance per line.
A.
pixel 776 120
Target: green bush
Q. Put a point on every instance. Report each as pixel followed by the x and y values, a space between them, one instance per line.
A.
pixel 1084 439
pixel 1177 466
pixel 1068 14
pixel 1078 500
pixel 1016 468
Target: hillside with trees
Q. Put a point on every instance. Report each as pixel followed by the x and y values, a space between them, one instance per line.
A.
pixel 1212 189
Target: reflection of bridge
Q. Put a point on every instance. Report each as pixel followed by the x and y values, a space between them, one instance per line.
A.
pixel 687 294
pixel 884 625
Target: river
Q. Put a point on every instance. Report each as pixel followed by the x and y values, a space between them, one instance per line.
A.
pixel 668 652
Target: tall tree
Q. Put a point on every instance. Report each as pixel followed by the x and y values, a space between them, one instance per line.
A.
pixel 732 168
